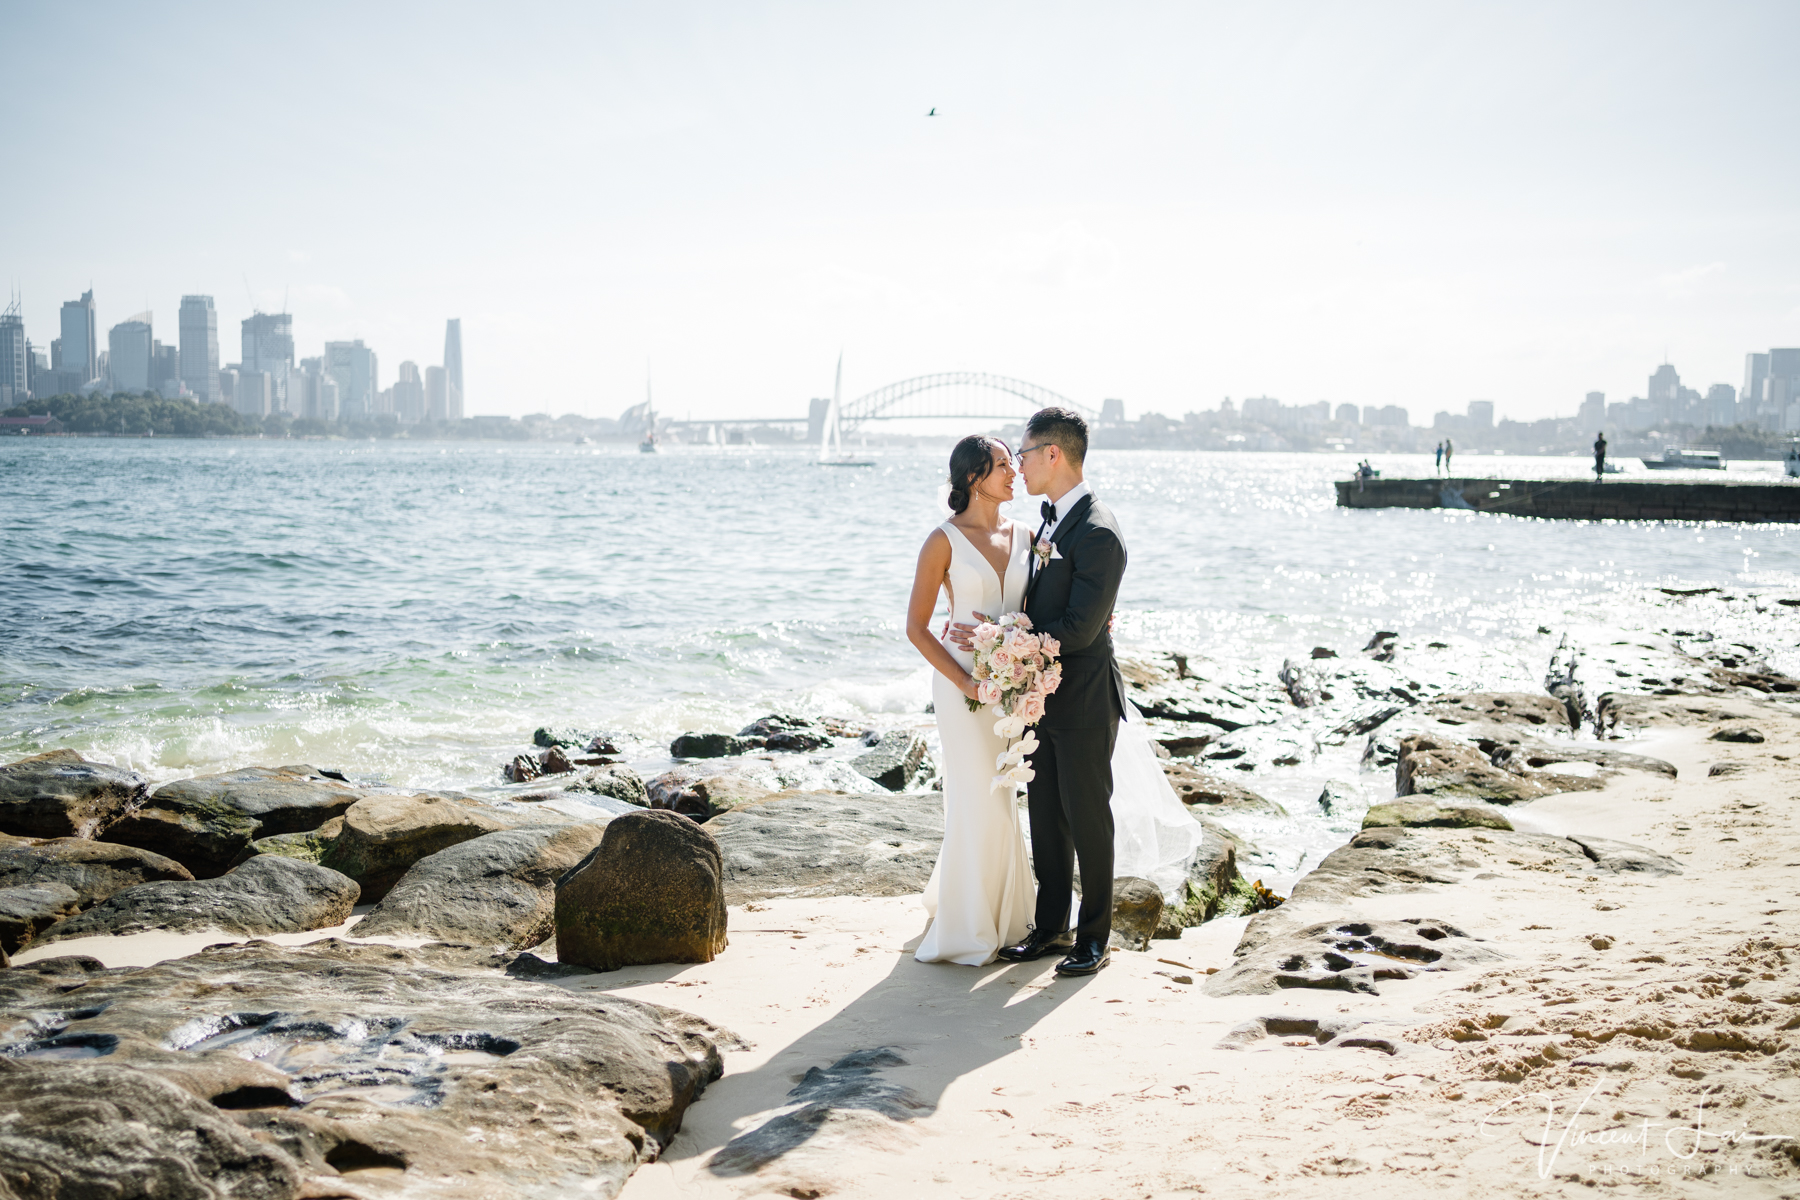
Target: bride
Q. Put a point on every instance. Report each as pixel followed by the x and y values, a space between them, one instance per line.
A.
pixel 981 895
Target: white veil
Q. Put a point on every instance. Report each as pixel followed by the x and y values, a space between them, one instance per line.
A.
pixel 1154 838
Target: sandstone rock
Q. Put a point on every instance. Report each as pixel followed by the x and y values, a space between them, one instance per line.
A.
pixel 522 769
pixel 554 762
pixel 1337 798
pixel 495 890
pixel 1340 1033
pixel 1623 858
pixel 1137 910
pixel 703 793
pixel 796 741
pixel 709 745
pixel 1726 768
pixel 1172 687
pixel 617 780
pixel 1435 766
pixel 60 794
pixel 1499 708
pixel 1738 733
pixel 788 734
pixel 307 847
pixel 820 844
pixel 385 835
pixel 24 911
pixel 268 894
pixel 106 1129
pixel 1196 787
pixel 1420 813
pixel 1350 956
pixel 1213 887
pixel 207 823
pixel 379 1071
pixel 651 892
pixel 895 761
pixel 95 870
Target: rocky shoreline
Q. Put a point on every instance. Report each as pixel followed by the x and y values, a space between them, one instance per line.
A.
pixel 442 992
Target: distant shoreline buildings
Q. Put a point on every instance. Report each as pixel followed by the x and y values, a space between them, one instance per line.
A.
pixel 341 385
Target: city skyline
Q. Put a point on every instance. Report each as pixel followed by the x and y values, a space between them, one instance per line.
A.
pixel 1410 204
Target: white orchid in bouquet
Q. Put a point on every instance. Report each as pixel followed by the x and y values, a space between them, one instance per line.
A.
pixel 1015 670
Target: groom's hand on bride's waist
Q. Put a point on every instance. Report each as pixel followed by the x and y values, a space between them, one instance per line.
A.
pixel 962 637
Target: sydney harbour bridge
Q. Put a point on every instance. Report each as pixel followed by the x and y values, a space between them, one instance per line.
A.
pixel 956 395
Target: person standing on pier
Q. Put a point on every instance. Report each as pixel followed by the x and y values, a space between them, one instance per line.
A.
pixel 1439 464
pixel 1599 455
pixel 1449 449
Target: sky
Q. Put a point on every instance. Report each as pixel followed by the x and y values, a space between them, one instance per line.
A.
pixel 1382 203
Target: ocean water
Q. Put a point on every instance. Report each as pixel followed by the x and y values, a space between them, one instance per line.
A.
pixel 409 613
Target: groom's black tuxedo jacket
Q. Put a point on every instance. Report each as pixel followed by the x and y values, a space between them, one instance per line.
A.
pixel 1071 599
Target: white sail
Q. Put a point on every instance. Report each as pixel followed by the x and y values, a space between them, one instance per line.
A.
pixel 831 443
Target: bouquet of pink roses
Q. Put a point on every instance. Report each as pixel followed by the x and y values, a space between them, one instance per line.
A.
pixel 1014 671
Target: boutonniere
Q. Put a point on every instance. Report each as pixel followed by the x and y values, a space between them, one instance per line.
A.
pixel 1045 551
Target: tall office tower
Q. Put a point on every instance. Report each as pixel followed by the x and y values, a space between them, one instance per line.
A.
pixel 80 338
pixel 37 370
pixel 255 395
pixel 129 347
pixel 15 358
pixel 317 391
pixel 453 373
pixel 1481 414
pixel 437 401
pixel 200 348
pixel 355 368
pixel 1592 414
pixel 1721 405
pixel 1665 393
pixel 269 348
pixel 228 377
pixel 165 370
pixel 1781 391
pixel 1756 371
pixel 1349 414
pixel 409 395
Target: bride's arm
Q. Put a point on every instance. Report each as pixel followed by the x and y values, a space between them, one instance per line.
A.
pixel 934 563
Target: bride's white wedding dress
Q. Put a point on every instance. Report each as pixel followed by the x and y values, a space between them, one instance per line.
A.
pixel 982 895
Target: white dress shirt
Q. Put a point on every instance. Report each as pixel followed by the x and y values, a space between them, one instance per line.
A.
pixel 1067 505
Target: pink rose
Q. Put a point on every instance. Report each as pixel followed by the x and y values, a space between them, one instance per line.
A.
pixel 1031 708
pixel 1052 678
pixel 1049 645
pixel 1001 660
pixel 987 692
pixel 1022 621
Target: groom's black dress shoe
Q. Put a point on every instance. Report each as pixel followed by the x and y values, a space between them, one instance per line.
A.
pixel 1088 957
pixel 1036 946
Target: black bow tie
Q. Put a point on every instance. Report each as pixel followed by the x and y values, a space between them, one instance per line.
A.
pixel 1049 512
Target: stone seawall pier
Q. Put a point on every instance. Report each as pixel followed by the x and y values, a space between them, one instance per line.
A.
pixel 1580 499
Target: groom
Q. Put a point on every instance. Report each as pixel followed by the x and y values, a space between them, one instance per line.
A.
pixel 1076 564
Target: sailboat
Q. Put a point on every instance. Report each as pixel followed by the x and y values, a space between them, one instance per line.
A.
pixel 648 445
pixel 831 438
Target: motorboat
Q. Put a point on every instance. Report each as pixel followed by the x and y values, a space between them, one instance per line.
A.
pixel 1686 458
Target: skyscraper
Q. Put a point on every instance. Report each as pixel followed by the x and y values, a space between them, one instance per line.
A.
pixel 15 358
pixel 200 348
pixel 1721 404
pixel 130 349
pixel 80 338
pixel 1665 394
pixel 453 372
pixel 357 372
pixel 269 348
pixel 437 403
pixel 409 395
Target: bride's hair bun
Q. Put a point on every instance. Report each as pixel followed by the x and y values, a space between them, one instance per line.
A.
pixel 970 463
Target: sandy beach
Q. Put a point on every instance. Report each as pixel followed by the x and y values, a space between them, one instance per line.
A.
pixel 1636 1033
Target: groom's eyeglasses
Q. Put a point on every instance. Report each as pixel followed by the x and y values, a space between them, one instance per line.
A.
pixel 1019 458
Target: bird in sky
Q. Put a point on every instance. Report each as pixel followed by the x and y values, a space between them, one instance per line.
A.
pixel 932 113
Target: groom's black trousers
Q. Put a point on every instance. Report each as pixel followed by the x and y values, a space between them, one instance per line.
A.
pixel 1070 801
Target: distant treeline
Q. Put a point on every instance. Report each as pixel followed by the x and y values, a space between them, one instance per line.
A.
pixel 125 413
